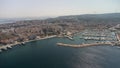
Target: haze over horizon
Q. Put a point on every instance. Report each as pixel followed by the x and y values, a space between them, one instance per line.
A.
pixel 53 8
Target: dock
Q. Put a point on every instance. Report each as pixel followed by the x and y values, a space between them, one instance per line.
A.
pixel 83 45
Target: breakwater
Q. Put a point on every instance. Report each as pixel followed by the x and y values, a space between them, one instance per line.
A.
pixel 83 45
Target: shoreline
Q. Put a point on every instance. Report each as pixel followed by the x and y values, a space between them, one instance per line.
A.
pixel 47 37
pixel 9 46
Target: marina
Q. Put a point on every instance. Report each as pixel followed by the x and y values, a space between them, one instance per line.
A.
pixel 98 38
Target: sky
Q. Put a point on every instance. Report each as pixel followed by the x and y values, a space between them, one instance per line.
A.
pixel 49 8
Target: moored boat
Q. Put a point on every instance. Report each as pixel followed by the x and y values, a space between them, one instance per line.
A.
pixel 9 47
pixel 0 50
pixel 22 43
pixel 5 48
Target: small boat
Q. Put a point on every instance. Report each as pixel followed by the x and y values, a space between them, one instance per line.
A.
pixel 5 48
pixel 9 47
pixel 0 50
pixel 22 43
pixel 118 47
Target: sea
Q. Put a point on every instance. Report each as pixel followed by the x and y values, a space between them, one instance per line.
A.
pixel 46 54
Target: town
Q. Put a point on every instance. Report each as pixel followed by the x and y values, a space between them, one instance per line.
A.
pixel 20 32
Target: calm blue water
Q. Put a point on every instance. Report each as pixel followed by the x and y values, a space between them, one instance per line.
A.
pixel 46 54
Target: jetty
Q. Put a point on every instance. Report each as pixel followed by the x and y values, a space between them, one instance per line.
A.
pixel 69 37
pixel 84 45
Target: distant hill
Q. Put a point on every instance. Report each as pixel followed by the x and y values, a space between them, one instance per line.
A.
pixel 106 18
pixel 106 15
pixel 89 18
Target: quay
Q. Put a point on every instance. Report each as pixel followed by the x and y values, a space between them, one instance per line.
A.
pixel 83 45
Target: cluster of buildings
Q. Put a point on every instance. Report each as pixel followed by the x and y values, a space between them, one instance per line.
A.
pixel 30 30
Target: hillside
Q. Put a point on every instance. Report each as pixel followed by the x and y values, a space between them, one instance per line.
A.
pixel 89 18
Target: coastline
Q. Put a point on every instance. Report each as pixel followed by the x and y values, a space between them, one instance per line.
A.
pixel 47 37
pixel 9 46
